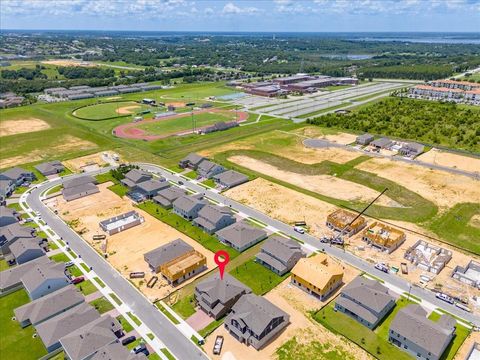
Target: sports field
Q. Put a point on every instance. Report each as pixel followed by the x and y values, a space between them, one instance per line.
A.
pixel 110 110
pixel 182 123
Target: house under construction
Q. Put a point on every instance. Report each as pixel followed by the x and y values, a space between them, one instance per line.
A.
pixel 428 257
pixel 383 237
pixel 340 220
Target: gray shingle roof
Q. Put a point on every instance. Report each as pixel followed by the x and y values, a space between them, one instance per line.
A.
pixel 13 275
pixel 116 351
pixel 49 305
pixel 78 181
pixel 22 245
pixel 51 166
pixel 255 312
pixel 152 185
pixel 72 192
pixel 167 252
pixel 382 142
pixel 213 213
pixel 368 292
pixel 193 159
pixel 53 329
pixel 13 231
pixel 231 178
pixel 169 195
pixel 187 203
pixel 86 340
pixel 207 165
pixel 14 173
pixel 224 290
pixel 43 272
pixel 135 175
pixel 241 234
pixel 282 248
pixel 412 323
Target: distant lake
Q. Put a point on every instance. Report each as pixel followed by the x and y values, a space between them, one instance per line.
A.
pixel 424 39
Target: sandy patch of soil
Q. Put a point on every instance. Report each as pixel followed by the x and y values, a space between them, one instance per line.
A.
pixel 68 63
pixel 324 184
pixel 341 138
pixel 64 144
pixel 475 221
pixel 12 127
pixel 77 164
pixel 438 157
pixel 127 110
pixel 113 98
pixel 126 248
pixel 442 188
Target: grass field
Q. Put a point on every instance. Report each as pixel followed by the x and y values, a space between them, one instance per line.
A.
pixel 102 305
pixel 86 287
pixel 257 277
pixel 109 110
pixel 185 307
pixel 454 227
pixel 295 350
pixel 125 324
pixel 17 343
pixel 461 333
pixel 61 257
pixel 374 342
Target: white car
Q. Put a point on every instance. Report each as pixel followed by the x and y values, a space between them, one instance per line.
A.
pixel 299 229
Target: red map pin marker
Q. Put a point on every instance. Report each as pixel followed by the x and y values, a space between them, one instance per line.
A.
pixel 221 259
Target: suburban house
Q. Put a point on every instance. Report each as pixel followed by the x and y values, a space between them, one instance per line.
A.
pixel 241 235
pixel 383 237
pixel 318 275
pixel 11 279
pixel 254 320
pixel 121 222
pixel 279 254
pixel 84 342
pixel 7 187
pixel 191 161
pixel 177 261
pixel 382 143
pixel 188 206
pixel 79 187
pixel 230 178
pixel 11 233
pixel 364 139
pixel 150 188
pixel 411 149
pixel 52 330
pixel 341 220
pixel 116 351
pixel 216 296
pixel 44 279
pixel 25 250
pixel 208 169
pixel 135 177
pixel 18 176
pixel 8 216
pixel 50 168
pixel 44 308
pixel 212 218
pixel 167 196
pixel 366 301
pixel 423 338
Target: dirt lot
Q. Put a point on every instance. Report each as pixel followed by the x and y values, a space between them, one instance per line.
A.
pixel 341 138
pixel 68 63
pixel 442 188
pixel 126 248
pixel 176 104
pixel 464 350
pixel 324 184
pixel 78 163
pixel 290 146
pixel 295 302
pixel 65 143
pixel 126 110
pixel 457 161
pixel 12 127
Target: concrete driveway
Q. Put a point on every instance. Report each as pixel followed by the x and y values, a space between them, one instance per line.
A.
pixel 199 320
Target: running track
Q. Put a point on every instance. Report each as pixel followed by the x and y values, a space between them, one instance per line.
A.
pixel 131 130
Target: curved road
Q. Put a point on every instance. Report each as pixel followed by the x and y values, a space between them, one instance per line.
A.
pixel 168 333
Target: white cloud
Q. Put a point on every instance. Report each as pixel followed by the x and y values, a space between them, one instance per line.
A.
pixel 232 9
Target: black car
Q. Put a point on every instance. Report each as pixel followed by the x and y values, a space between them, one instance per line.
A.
pixel 128 340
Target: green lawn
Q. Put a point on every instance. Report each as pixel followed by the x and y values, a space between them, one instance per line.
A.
pixel 108 110
pixel 374 342
pixel 61 257
pixel 99 282
pixel 86 287
pixel 191 174
pixel 135 319
pixel 85 267
pixel 461 334
pixel 102 305
pixel 119 189
pixel 454 227
pixel 257 277
pixel 184 226
pixel 167 354
pixel 52 245
pixel 185 307
pixel 17 343
pixel 15 206
pixel 167 314
pixel 125 324
pixel 3 265
pixel 209 182
pixel 116 299
pixel 75 271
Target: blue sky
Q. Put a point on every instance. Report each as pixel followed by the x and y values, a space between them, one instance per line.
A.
pixel 243 15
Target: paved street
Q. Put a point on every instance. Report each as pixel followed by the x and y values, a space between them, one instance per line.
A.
pixel 314 242
pixel 168 333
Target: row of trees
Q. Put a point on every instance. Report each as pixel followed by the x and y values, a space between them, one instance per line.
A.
pixel 23 73
pixel 82 72
pixel 430 122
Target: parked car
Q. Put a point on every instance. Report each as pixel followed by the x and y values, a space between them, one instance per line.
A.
pixel 445 297
pixel 68 264
pixel 78 280
pixel 139 348
pixel 128 340
pixel 217 347
pixel 299 229
pixel 180 183
pixel 381 267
